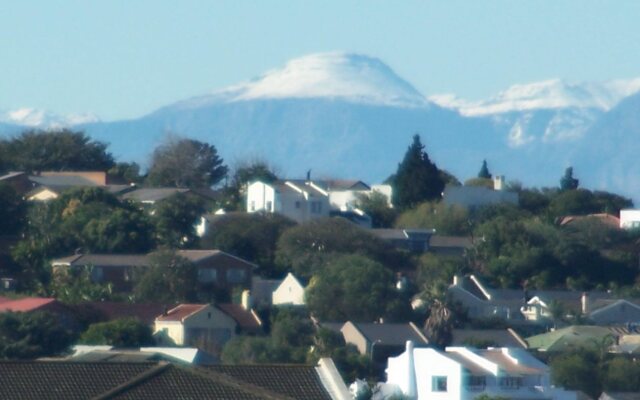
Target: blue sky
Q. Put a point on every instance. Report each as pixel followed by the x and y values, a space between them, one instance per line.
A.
pixel 122 59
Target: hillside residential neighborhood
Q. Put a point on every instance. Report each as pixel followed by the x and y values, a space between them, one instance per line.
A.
pixel 172 285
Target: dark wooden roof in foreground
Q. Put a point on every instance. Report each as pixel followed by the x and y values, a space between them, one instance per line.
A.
pixel 27 380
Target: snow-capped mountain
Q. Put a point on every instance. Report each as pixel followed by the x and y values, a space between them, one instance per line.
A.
pixel 35 118
pixel 350 115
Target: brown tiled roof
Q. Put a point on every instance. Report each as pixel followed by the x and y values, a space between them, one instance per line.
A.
pixel 390 334
pixel 26 304
pixel 297 381
pixel 245 319
pixel 180 312
pixel 63 380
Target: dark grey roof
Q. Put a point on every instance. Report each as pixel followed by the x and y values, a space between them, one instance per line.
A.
pixel 390 334
pixel 105 260
pixel 491 337
pixel 152 194
pixel 464 242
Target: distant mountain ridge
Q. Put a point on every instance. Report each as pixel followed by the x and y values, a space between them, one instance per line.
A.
pixel 350 115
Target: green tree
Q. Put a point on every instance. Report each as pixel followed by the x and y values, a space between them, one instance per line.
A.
pixel 175 219
pixel 32 335
pixel 126 332
pixel 446 220
pixel 170 278
pixel 568 182
pixel 186 163
pixel 305 248
pixel 484 171
pixel 417 178
pixel 439 325
pixel 577 371
pixel 352 288
pixel 251 236
pixel 13 210
pixel 56 150
pixel 126 173
pixel 376 205
pixel 74 286
pixel 622 375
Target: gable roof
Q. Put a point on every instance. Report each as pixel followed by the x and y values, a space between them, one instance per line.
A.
pixel 495 338
pixel 26 304
pixel 181 312
pixel 463 242
pixel 390 334
pixel 26 380
pixel 151 195
pixel 246 319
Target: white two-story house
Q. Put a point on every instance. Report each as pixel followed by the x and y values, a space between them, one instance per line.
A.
pixel 461 373
pixel 299 200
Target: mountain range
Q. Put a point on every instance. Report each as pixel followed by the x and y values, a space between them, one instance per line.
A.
pixel 351 116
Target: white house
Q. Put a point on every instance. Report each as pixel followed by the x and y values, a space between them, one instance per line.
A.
pixel 629 218
pixel 467 373
pixel 289 292
pixel 478 196
pixel 299 201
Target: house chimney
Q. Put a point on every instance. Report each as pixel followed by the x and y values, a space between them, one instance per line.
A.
pixel 585 303
pixel 246 299
pixel 498 182
pixel 411 386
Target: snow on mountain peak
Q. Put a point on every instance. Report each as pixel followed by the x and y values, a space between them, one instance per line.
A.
pixel 549 94
pixel 349 76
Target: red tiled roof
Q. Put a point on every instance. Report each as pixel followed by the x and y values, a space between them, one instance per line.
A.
pixel 244 318
pixel 181 312
pixel 26 304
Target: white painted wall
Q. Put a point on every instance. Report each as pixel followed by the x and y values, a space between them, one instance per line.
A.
pixel 630 218
pixel 290 291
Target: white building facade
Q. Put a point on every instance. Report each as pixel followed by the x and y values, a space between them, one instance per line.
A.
pixel 461 373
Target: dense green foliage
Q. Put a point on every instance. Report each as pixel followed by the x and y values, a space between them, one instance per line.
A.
pixel 354 288
pixel 127 332
pixel 175 218
pixel 169 279
pixel 568 182
pixel 58 150
pixel 417 178
pixel 12 211
pixel 32 335
pixel 446 220
pixel 376 205
pixel 306 247
pixel 252 236
pixel 186 163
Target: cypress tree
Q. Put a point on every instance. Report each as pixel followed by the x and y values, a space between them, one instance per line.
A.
pixel 417 178
pixel 484 171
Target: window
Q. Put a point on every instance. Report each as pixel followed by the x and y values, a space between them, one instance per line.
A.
pixel 316 207
pixel 297 204
pixel 510 382
pixel 207 275
pixel 438 383
pixel 476 382
pixel 269 204
pixel 235 275
pixel 253 205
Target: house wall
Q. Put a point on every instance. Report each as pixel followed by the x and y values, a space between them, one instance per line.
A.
pixel 258 194
pixel 172 329
pixel 223 265
pixel 429 363
pixel 345 199
pixel 353 336
pixel 290 291
pixel 630 219
pixel 475 196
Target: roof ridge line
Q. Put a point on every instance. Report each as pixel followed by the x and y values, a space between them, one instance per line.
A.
pixel 136 380
pixel 242 385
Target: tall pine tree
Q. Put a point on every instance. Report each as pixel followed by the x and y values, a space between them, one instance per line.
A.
pixel 484 171
pixel 417 178
pixel 568 182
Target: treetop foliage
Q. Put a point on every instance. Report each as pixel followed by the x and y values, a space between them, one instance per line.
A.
pixel 484 171
pixel 417 178
pixel 186 163
pixel 60 150
pixel 568 182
